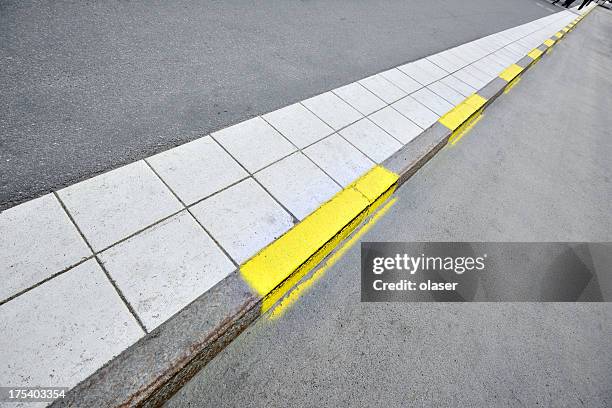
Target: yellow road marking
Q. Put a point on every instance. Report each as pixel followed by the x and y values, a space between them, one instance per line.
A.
pixel 277 267
pixel 300 289
pixel 535 53
pixel 511 72
pixel 558 34
pixel 457 135
pixel 512 84
pixel 549 43
pixel 462 112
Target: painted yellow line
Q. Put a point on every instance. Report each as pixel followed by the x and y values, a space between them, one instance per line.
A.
pixel 558 34
pixel 300 289
pixel 565 29
pixel 463 130
pixel 549 43
pixel 535 53
pixel 512 84
pixel 462 112
pixel 276 268
pixel 511 72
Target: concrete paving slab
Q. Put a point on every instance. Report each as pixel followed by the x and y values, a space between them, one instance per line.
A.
pixel 458 85
pixel 338 158
pixel 371 140
pixel 416 112
pixel 445 61
pixel 396 124
pixel 114 205
pixel 332 110
pixel 243 219
pixel 505 57
pixel 60 332
pixel 298 124
pixel 446 92
pixel 461 59
pixel 360 98
pixel 383 88
pixel 38 240
pixel 298 184
pixel 165 267
pixel 197 169
pixel 254 143
pixel 466 75
pixel 433 101
pixel 423 71
pixel 401 80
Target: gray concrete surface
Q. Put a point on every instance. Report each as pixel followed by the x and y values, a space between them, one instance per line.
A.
pixel 536 168
pixel 89 86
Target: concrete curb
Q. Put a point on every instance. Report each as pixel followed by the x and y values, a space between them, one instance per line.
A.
pixel 152 370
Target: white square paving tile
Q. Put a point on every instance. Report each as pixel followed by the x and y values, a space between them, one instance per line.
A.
pixel 243 219
pixel 384 89
pixel 467 77
pixel 114 205
pixel 298 124
pixel 506 57
pixel 164 268
pixel 416 112
pixel 489 67
pixel 446 92
pixel 343 162
pixel 476 50
pixel 458 85
pixel 62 331
pixel 442 61
pixel 461 59
pixel 401 80
pixel 360 98
pixel 254 143
pixel 333 110
pixel 447 61
pixel 371 140
pixel 37 240
pixel 432 101
pixel 197 169
pixel 423 71
pixel 298 184
pixel 485 77
pixel 468 52
pixel 396 124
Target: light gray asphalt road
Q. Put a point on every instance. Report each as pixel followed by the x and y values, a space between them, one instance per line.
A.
pixel 88 86
pixel 536 168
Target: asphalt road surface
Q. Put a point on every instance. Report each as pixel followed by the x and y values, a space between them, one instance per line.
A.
pixel 89 86
pixel 536 168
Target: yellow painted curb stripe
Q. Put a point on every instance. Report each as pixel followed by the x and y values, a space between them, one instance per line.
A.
pixel 535 53
pixel 280 265
pixel 549 43
pixel 296 292
pixel 512 84
pixel 565 29
pixel 558 34
pixel 462 112
pixel 465 128
pixel 511 72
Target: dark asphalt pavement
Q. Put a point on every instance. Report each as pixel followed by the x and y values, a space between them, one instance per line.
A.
pixel 89 86
pixel 536 168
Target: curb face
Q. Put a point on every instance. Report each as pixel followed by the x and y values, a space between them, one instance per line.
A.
pixel 153 369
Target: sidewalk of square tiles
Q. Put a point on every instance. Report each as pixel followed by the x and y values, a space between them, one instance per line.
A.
pixel 243 186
